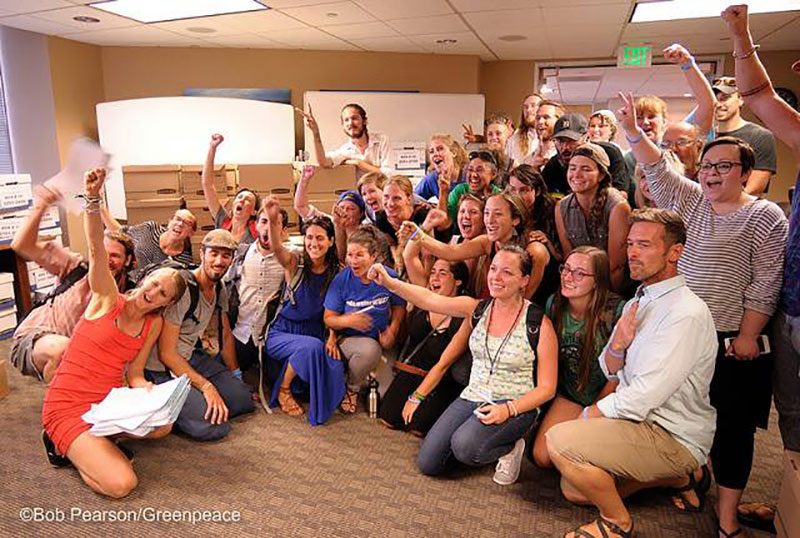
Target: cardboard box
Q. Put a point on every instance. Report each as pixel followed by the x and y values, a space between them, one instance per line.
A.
pixel 192 182
pixel 152 182
pixel 789 499
pixel 4 388
pixel 159 210
pixel 199 208
pixel 263 178
pixel 8 320
pixel 196 240
pixel 232 177
pixel 333 180
pixel 15 191
pixel 326 204
pixel 6 287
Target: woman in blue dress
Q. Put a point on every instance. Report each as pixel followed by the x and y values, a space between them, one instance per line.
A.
pixel 296 337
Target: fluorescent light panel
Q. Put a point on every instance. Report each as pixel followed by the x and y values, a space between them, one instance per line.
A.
pixel 148 11
pixel 669 10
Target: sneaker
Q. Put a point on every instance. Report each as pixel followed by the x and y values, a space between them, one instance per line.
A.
pixel 508 466
pixel 55 459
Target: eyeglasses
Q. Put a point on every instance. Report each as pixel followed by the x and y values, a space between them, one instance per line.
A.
pixel 674 144
pixel 722 167
pixel 577 274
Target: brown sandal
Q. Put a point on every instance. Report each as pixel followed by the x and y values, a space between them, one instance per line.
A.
pixel 349 403
pixel 287 402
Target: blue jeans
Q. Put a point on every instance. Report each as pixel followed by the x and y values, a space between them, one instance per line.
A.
pixel 191 419
pixel 458 433
pixel 786 377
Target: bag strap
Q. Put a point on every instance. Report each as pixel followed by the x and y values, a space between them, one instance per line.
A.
pixel 77 273
pixel 406 360
pixel 477 314
pixel 533 324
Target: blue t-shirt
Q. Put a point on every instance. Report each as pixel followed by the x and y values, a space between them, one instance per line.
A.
pixel 348 294
pixel 428 187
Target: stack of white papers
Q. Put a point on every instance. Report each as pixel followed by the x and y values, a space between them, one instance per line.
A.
pixel 138 411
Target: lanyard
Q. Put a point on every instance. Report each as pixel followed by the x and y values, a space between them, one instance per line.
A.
pixel 494 361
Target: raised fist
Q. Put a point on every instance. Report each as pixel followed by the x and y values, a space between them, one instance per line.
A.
pixel 216 140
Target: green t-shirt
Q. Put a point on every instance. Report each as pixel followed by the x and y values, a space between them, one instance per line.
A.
pixel 455 195
pixel 569 353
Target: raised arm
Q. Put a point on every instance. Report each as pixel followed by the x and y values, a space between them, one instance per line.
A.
pixel 318 151
pixel 101 281
pixel 301 204
pixel 285 257
pixel 209 190
pixel 704 116
pixel 412 258
pixel 471 248
pixel 645 151
pixel 755 85
pixel 109 221
pixel 25 241
pixel 460 307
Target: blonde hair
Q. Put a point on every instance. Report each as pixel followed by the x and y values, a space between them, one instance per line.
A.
pixel 458 151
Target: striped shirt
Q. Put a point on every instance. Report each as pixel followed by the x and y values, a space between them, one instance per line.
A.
pixel 261 279
pixel 146 237
pixel 733 262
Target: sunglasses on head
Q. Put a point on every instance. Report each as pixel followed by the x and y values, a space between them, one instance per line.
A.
pixel 486 156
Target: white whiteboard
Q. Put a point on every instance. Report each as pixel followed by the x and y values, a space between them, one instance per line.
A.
pixel 402 117
pixel 176 130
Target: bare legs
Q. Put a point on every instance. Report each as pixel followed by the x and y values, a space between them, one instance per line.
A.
pixel 561 410
pixel 47 353
pixel 285 399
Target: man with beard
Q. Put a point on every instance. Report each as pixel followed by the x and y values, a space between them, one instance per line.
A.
pixel 730 123
pixel 546 116
pixel 156 243
pixel 569 132
pixel 684 140
pixel 42 337
pixel 368 152
pixel 216 394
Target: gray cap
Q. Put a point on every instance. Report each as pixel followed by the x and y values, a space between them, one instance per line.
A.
pixel 596 153
pixel 220 239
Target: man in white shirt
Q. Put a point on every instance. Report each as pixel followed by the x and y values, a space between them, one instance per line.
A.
pixel 368 152
pixel 657 428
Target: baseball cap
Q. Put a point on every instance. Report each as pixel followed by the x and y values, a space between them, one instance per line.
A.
pixel 219 239
pixel 596 153
pixel 607 115
pixel 352 196
pixel 726 85
pixel 572 126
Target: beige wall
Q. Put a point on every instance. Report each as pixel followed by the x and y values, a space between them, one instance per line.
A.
pixel 77 77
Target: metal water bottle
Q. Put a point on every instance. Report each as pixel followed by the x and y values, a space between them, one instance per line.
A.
pixel 373 397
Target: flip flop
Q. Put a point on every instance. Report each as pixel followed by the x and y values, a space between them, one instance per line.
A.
pixel 751 518
pixel 699 487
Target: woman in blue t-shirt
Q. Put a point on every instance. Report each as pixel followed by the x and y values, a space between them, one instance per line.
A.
pixel 364 317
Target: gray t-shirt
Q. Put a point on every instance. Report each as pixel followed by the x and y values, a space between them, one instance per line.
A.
pixel 190 331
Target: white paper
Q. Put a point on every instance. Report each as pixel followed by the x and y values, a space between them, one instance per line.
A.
pixel 84 155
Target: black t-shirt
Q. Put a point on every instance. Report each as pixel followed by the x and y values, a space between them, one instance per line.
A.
pixel 419 326
pixel 762 142
pixel 555 174
pixel 417 217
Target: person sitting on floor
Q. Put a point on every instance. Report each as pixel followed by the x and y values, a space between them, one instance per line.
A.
pixel 584 312
pixel 296 339
pixel 657 427
pixel 366 315
pixel 216 394
pixel 514 369
pixel 115 334
pixel 41 338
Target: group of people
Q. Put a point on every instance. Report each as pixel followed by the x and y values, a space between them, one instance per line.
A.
pixel 538 293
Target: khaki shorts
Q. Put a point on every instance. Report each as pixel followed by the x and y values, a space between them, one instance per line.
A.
pixel 639 451
pixel 22 352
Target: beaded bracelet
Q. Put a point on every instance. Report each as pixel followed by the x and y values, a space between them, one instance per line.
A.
pixel 746 55
pixel 635 140
pixel 418 395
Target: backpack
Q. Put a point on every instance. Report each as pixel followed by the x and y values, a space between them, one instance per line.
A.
pixel 191 283
pixel 533 322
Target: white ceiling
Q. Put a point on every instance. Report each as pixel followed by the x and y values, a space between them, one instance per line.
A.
pixel 552 29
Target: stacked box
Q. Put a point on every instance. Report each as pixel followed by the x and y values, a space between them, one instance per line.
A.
pixel 192 182
pixel 151 192
pixel 159 210
pixel 328 184
pixel 787 520
pixel 12 221
pixel 15 192
pixel 270 179
pixel 8 306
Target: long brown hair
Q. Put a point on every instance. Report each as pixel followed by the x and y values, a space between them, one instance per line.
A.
pixel 599 319
pixel 517 209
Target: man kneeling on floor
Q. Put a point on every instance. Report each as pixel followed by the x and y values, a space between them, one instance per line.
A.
pixel 659 424
pixel 216 394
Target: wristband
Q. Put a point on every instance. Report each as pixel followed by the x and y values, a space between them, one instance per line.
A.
pixel 417 396
pixel 635 140
pixel 237 373
pixel 514 411
pixel 413 400
pixel 205 386
pixel 761 87
pixel 616 354
pixel 585 413
pixel 688 65
pixel 746 55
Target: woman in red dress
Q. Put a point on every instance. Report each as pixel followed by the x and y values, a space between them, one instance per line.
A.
pixel 115 331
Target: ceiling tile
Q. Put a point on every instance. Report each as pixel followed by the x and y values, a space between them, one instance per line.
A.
pixel 466 43
pixel 283 4
pixel 308 38
pixel 645 30
pixel 605 14
pixel 384 10
pixel 108 21
pixel 465 6
pixel 360 31
pixel 35 24
pixel 250 41
pixel 492 24
pixel 346 13
pixel 136 36
pixel 30 6
pixel 429 25
pixel 388 44
pixel 258 21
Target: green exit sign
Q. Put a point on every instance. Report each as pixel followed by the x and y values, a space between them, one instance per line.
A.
pixel 635 56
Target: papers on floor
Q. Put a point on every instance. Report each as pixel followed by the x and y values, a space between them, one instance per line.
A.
pixel 138 411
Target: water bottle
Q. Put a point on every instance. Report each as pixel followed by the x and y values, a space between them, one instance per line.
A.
pixel 373 397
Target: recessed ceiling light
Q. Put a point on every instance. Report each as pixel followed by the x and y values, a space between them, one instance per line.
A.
pixel 512 37
pixel 688 95
pixel 83 18
pixel 148 11
pixel 200 30
pixel 669 10
pixel 446 41
pixel 332 14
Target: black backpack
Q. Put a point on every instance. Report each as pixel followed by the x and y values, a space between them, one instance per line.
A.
pixel 186 270
pixel 533 322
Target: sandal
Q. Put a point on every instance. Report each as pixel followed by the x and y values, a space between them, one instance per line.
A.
pixel 699 487
pixel 605 526
pixel 287 402
pixel 759 516
pixel 56 460
pixel 727 534
pixel 349 403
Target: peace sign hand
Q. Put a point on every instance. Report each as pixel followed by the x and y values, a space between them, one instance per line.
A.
pixel 626 115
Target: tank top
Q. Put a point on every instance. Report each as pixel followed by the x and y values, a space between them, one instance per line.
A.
pixel 576 226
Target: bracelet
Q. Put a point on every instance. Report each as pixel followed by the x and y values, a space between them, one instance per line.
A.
pixel 514 411
pixel 205 386
pixel 585 413
pixel 413 400
pixel 746 55
pixel 416 395
pixel 635 140
pixel 616 354
pixel 760 88
pixel 688 65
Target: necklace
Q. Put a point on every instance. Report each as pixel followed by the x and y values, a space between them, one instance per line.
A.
pixel 494 361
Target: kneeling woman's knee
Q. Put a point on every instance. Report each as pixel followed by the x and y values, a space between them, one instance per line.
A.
pixel 466 447
pixel 121 485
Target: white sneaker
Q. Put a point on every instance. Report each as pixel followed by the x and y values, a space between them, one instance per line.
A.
pixel 508 466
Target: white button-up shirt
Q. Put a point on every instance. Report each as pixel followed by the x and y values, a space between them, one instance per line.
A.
pixel 377 153
pixel 668 367
pixel 261 279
